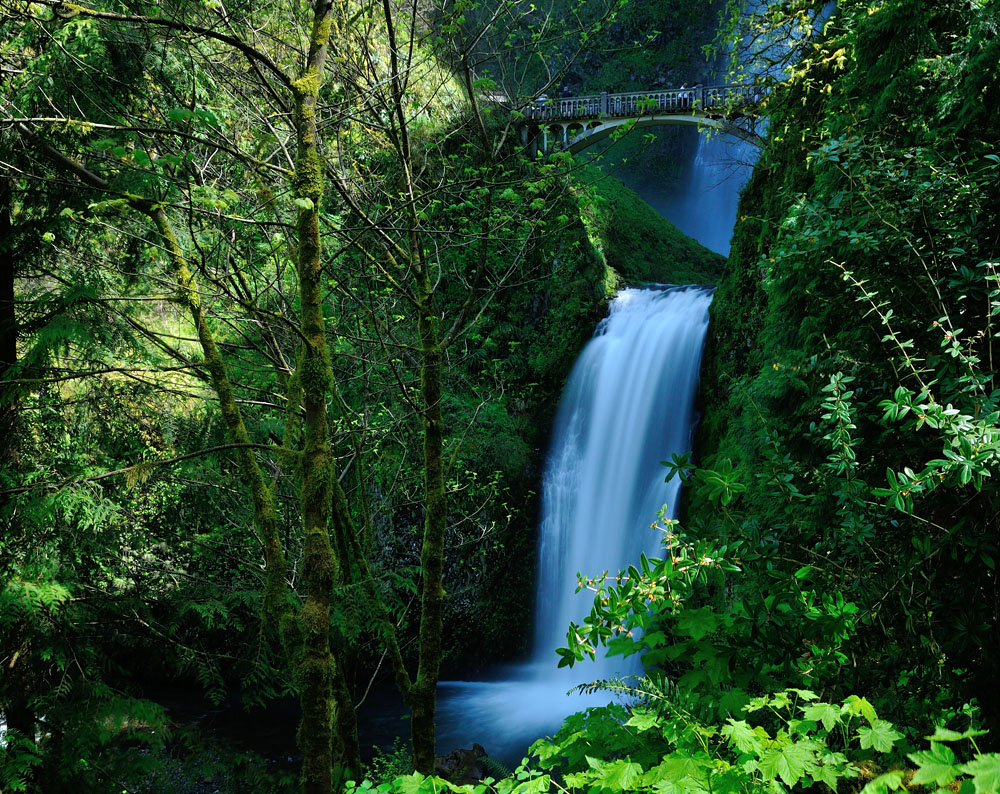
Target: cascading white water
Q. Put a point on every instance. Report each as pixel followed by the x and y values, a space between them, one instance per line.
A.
pixel 629 404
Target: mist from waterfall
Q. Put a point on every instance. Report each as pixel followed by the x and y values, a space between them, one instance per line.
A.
pixel 628 404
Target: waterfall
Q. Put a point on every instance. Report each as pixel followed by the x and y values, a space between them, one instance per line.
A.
pixel 702 203
pixel 628 404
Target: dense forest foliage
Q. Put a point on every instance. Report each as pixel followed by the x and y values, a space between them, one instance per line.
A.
pixel 285 313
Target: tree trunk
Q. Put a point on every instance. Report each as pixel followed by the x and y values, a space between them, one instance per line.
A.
pixel 314 672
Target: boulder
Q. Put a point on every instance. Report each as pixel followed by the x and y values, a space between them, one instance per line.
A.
pixel 462 766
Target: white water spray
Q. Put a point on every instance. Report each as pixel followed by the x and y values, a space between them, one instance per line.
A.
pixel 629 404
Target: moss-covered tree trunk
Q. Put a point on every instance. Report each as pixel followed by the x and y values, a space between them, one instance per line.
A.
pixel 305 634
pixel 422 694
pixel 314 670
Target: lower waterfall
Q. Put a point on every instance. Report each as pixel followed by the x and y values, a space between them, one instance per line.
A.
pixel 628 404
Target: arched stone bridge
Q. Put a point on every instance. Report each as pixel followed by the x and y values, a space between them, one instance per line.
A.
pixel 579 121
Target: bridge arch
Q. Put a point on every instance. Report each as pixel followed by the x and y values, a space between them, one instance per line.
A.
pixel 599 132
pixel 578 122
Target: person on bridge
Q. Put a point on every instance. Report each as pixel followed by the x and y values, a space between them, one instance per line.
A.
pixel 540 105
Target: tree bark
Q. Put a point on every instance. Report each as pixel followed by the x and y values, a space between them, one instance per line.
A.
pixel 314 673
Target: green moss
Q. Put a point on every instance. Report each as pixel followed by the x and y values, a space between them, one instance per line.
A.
pixel 315 619
pixel 321 32
pixel 309 176
pixel 307 85
pixel 314 376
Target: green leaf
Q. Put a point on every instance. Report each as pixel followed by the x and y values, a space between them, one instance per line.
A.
pixel 578 779
pixel 881 736
pixel 946 735
pixel 742 736
pixel 890 781
pixel 789 763
pixel 643 720
pixel 936 765
pixel 858 705
pixel 409 784
pixel 619 775
pixel 303 203
pixel 985 771
pixel 826 774
pixel 826 713
pixel 696 623
pixel 537 785
pixel 665 776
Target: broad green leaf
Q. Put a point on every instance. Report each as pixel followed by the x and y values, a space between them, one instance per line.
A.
pixel 826 774
pixel 696 623
pixel 409 784
pixel 936 765
pixel 789 763
pixel 643 720
pixel 618 776
pixel 826 713
pixel 856 705
pixel 881 736
pixel 890 781
pixel 674 786
pixel 946 735
pixel 732 702
pixel 741 735
pixel 780 700
pixel 578 779
pixel 537 785
pixel 672 769
pixel 985 772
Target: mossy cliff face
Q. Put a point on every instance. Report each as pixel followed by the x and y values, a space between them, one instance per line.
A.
pixel 863 247
pixel 641 245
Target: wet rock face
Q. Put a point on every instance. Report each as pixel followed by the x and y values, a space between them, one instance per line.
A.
pixel 462 766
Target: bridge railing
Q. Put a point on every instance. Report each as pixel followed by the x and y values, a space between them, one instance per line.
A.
pixel 644 103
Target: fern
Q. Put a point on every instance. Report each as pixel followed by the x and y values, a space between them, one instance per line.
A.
pixel 495 768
